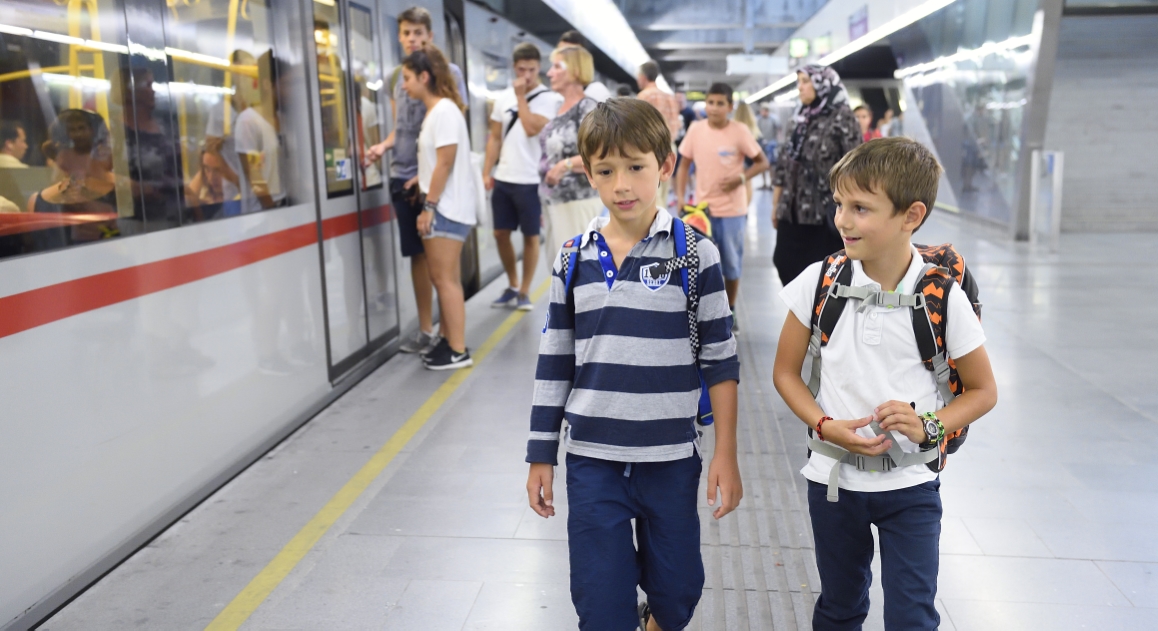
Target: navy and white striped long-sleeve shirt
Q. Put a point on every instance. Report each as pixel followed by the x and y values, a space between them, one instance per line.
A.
pixel 615 360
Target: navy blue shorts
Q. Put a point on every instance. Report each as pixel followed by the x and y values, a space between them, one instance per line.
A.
pixel 517 207
pixel 602 498
pixel 407 214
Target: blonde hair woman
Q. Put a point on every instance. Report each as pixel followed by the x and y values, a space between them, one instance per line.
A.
pixel 569 202
pixel 747 118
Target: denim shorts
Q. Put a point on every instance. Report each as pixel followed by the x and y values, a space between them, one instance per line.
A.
pixel 448 228
pixel 728 233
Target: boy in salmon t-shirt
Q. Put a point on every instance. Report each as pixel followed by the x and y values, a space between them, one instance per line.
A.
pixel 718 147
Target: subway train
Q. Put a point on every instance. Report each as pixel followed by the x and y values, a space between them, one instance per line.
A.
pixel 169 310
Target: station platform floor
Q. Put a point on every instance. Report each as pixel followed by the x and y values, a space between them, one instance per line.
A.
pixel 402 506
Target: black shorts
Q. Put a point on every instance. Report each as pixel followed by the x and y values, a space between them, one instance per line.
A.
pixel 517 207
pixel 407 214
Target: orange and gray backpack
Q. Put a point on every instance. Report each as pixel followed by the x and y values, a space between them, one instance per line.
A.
pixel 928 304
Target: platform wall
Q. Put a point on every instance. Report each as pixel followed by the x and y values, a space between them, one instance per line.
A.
pixel 1102 116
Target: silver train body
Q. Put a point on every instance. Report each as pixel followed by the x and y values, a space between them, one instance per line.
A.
pixel 155 346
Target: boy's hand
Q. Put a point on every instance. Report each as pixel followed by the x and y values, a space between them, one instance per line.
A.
pixel 843 434
pixel 731 184
pixel 539 489
pixel 901 417
pixel 724 473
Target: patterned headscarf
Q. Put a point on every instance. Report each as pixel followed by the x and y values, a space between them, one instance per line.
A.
pixel 830 92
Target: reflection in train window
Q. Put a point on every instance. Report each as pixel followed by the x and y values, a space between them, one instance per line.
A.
pixel 367 77
pixel 64 175
pixel 336 143
pixel 226 107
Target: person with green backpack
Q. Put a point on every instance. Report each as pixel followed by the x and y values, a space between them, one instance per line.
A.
pixel 899 371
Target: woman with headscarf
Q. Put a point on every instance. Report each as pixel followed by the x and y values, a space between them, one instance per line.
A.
pixel 824 131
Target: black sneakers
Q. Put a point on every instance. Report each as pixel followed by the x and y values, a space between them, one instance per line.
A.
pixel 441 357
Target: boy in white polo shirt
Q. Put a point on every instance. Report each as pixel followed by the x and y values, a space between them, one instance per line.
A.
pixel 877 408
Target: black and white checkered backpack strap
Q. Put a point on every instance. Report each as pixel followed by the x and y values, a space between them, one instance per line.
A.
pixel 690 261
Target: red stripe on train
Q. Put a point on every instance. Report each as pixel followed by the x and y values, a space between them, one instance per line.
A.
pixel 38 307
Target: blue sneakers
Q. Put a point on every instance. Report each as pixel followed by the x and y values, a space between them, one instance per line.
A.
pixel 506 300
pixel 523 303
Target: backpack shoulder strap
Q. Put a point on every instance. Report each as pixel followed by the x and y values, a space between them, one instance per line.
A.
pixel 826 310
pixel 515 116
pixel 569 258
pixel 687 262
pixel 943 267
pixel 934 285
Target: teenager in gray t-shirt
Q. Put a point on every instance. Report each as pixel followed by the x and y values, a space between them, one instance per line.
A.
pixel 415 31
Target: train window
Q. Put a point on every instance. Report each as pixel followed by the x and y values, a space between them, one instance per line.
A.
pixel 64 167
pixel 231 148
pixel 336 141
pixel 367 77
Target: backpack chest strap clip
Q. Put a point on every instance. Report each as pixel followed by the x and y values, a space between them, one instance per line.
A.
pixel 876 298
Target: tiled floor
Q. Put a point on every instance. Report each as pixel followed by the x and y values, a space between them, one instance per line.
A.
pixel 1049 511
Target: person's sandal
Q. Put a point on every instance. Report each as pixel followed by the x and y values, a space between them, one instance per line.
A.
pixel 644 615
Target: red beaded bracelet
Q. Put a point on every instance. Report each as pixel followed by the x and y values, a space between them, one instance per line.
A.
pixel 819 431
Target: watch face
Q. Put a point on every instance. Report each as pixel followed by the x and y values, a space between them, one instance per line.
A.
pixel 931 428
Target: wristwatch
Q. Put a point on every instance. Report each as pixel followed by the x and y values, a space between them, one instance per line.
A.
pixel 934 430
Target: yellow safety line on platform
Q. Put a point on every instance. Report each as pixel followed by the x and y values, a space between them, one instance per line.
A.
pixel 242 607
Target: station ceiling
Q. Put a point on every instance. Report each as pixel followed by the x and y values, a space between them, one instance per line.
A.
pixel 690 39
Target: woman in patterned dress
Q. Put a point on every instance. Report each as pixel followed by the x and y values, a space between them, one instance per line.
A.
pixel 569 201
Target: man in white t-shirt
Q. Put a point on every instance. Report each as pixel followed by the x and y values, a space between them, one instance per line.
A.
pixel 596 89
pixel 252 149
pixel 518 116
pixel 872 379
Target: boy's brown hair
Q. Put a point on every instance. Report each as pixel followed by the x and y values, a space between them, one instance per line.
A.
pixel 721 89
pixel 621 124
pixel 417 15
pixel 906 170
pixel 526 52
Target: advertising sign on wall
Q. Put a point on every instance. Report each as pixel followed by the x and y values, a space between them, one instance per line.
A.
pixel 858 23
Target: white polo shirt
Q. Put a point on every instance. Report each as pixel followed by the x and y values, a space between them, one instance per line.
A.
pixel 872 358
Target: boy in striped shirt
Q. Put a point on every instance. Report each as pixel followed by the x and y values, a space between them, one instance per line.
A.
pixel 616 362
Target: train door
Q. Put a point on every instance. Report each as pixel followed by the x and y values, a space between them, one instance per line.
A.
pixel 354 205
pixel 453 14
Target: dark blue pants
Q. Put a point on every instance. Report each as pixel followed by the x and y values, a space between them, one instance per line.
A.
pixel 603 497
pixel 908 522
